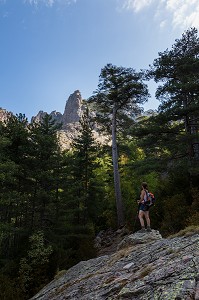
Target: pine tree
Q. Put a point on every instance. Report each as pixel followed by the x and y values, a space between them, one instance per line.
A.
pixel 117 99
pixel 85 162
pixel 14 183
pixel 178 70
pixel 45 160
pixel 80 193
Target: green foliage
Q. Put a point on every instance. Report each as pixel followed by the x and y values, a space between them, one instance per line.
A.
pixel 9 289
pixel 116 101
pixel 193 219
pixel 178 70
pixel 29 162
pixel 33 268
pixel 120 91
pixel 175 213
pixel 82 174
pixel 169 138
pixel 188 231
pixel 38 253
pixel 105 211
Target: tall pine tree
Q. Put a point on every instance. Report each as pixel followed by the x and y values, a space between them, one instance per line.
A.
pixel 177 70
pixel 117 99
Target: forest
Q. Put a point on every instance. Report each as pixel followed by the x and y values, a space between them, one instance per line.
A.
pixel 53 203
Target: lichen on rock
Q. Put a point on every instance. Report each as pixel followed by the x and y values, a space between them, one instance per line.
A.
pixel 142 267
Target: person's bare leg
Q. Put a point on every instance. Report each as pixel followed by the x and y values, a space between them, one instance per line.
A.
pixel 141 218
pixel 146 214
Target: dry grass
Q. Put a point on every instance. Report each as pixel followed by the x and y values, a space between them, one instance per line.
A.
pixel 60 274
pixel 188 231
pixel 147 270
pixel 119 254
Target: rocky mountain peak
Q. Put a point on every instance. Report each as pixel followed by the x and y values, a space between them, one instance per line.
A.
pixel 71 115
pixel 57 116
pixel 73 109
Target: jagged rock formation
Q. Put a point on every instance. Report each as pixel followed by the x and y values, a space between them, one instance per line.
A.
pixel 4 114
pixel 73 109
pixel 72 112
pixel 69 120
pixel 57 116
pixel 145 266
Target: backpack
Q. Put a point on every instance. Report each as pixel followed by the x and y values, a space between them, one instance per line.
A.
pixel 150 201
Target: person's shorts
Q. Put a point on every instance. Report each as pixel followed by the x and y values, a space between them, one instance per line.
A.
pixel 143 207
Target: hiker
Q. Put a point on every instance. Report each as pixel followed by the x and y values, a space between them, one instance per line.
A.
pixel 143 209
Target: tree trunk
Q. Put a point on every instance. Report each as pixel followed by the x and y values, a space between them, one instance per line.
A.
pixel 191 128
pixel 187 127
pixel 118 195
pixel 194 129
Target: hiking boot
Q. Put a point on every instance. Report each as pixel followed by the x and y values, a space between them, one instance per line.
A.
pixel 142 230
pixel 148 229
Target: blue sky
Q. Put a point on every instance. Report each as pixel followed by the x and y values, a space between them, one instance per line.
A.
pixel 50 48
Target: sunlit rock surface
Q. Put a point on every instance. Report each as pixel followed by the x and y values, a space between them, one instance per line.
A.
pixel 144 266
pixel 72 112
pixel 73 109
pixel 4 114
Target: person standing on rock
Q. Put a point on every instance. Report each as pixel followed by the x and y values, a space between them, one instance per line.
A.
pixel 143 209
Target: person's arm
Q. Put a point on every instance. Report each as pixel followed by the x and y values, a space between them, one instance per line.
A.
pixel 141 197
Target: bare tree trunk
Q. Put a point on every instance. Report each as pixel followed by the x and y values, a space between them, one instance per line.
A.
pixel 191 128
pixel 194 129
pixel 187 127
pixel 118 195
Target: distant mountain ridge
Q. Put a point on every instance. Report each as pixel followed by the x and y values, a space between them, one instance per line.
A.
pixel 70 118
pixel 74 108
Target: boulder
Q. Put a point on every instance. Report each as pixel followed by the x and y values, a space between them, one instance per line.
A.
pixel 145 266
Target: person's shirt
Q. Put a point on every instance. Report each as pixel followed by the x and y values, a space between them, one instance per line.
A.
pixel 143 196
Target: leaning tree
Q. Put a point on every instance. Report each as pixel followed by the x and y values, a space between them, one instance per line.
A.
pixel 118 96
